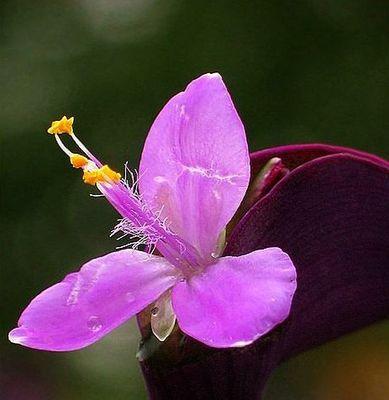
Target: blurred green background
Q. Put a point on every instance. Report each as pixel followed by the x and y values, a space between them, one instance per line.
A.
pixel 298 71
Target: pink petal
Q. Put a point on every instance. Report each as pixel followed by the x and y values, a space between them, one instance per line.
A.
pixel 237 299
pixel 195 163
pixel 88 304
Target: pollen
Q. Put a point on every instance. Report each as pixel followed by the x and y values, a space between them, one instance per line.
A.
pixel 91 177
pixel 107 172
pixel 101 175
pixel 78 161
pixel 64 125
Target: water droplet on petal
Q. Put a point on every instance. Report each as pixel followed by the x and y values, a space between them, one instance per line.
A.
pixel 94 324
pixel 154 311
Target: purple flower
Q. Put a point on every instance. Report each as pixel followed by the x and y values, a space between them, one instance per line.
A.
pixel 194 173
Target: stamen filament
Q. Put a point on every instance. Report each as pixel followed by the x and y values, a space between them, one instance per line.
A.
pixel 85 150
pixel 80 145
pixel 62 146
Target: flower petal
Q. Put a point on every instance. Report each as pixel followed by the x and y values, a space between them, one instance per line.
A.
pixel 195 163
pixel 88 304
pixel 237 299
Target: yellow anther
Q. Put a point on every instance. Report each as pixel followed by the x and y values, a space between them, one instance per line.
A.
pixel 91 177
pixel 102 175
pixel 64 125
pixel 78 161
pixel 107 172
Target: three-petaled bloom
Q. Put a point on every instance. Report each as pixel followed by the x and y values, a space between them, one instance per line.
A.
pixel 193 175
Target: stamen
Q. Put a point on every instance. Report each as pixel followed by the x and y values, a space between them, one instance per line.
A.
pixel 62 146
pixel 85 150
pixel 64 125
pixel 101 175
pixel 91 177
pixel 78 161
pixel 109 173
